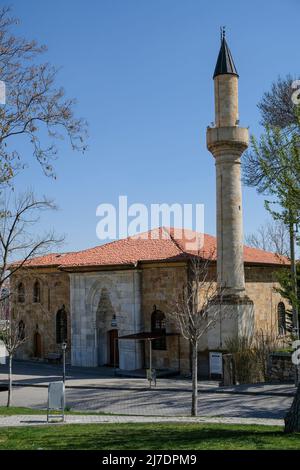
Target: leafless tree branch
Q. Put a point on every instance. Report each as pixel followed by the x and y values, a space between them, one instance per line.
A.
pixel 197 309
pixel 272 237
pixel 35 106
pixel 18 246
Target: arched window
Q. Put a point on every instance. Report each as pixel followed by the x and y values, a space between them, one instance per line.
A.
pixel 21 293
pixel 158 325
pixel 37 344
pixel 49 299
pixel 36 292
pixel 21 330
pixel 281 318
pixel 61 326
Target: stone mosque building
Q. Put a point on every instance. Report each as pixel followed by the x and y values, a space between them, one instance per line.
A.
pixel 107 302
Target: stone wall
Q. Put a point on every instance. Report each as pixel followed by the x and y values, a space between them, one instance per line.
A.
pixel 129 295
pixel 40 317
pixel 281 368
pixel 161 285
pixel 260 284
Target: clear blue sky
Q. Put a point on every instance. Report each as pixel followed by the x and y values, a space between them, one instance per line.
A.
pixel 141 71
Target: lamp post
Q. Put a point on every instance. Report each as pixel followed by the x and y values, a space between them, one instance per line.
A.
pixel 64 347
pixel 295 283
pixel 295 272
pixel 293 229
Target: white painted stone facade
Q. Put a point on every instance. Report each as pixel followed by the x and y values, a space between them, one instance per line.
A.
pixel 92 321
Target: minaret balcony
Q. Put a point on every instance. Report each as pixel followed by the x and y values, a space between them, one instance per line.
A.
pixel 220 140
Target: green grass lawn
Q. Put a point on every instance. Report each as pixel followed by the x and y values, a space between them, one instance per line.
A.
pixel 14 410
pixel 147 437
pixel 190 436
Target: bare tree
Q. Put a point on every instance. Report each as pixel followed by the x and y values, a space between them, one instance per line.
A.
pixel 196 311
pixel 36 109
pixel 276 106
pixel 17 248
pixel 12 335
pixel 272 237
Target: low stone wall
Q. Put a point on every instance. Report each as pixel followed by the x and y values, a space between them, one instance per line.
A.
pixel 281 368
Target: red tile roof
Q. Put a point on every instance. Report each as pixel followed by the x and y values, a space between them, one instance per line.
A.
pixel 163 244
pixel 52 259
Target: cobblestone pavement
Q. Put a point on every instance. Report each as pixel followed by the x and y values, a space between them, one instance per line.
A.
pixel 90 390
pixel 40 420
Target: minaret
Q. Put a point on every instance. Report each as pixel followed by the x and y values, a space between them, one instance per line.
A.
pixel 227 141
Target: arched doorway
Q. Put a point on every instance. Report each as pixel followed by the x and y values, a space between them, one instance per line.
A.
pixel 37 345
pixel 113 348
pixel 106 335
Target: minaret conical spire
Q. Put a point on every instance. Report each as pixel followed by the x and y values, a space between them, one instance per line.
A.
pixel 225 64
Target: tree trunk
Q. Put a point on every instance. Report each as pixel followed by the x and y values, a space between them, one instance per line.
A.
pixel 292 419
pixel 9 381
pixel 194 410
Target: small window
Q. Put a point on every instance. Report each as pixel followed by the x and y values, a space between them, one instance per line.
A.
pixel 36 292
pixel 158 325
pixel 281 318
pixel 61 326
pixel 21 293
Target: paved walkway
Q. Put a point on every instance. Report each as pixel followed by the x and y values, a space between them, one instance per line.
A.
pixel 158 402
pixel 39 375
pixel 39 420
pixel 98 390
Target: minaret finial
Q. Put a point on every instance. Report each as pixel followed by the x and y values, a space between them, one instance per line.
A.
pixel 222 32
pixel 225 64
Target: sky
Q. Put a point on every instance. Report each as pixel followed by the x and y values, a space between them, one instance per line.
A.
pixel 141 72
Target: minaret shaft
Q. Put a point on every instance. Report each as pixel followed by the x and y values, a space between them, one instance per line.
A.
pixel 226 100
pixel 229 224
pixel 226 141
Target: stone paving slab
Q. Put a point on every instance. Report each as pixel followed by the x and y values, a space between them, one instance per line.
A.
pixel 40 420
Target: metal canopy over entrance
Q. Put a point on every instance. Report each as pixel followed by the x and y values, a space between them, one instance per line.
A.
pixel 151 336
